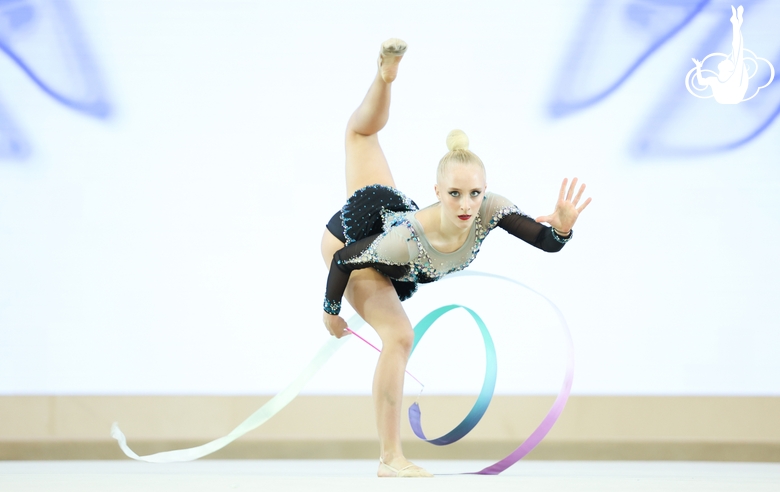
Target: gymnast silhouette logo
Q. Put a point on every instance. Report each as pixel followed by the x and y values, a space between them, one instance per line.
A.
pixel 730 84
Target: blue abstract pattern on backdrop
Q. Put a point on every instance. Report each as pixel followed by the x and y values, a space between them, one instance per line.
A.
pixel 618 37
pixel 43 38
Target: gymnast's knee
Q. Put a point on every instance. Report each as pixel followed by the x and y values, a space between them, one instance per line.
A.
pixel 399 338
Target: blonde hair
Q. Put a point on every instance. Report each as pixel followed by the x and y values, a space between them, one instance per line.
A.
pixel 458 145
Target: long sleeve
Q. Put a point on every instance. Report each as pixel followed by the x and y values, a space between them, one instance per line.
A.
pixel 507 216
pixel 389 252
pixel 530 231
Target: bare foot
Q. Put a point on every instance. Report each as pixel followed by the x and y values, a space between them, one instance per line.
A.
pixel 389 57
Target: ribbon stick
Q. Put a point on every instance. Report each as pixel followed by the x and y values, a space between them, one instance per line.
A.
pixel 422 386
pixel 278 402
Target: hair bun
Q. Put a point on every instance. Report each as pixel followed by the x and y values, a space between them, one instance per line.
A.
pixel 457 140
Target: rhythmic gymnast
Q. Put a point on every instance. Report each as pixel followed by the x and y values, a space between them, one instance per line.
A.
pixel 379 246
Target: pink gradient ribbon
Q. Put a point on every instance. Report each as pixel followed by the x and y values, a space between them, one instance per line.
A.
pixel 278 402
pixel 486 394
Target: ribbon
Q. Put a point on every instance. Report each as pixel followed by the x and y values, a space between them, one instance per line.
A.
pixel 563 395
pixel 488 385
pixel 284 397
pixel 271 408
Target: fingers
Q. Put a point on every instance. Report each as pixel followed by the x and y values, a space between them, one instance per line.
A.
pixel 336 326
pixel 341 329
pixel 579 195
pixel 544 218
pixel 571 189
pixel 563 189
pixel 340 332
pixel 582 207
pixel 573 199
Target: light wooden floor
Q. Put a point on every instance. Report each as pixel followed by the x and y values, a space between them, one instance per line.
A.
pixel 348 476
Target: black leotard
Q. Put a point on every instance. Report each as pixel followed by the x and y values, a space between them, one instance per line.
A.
pixel 402 252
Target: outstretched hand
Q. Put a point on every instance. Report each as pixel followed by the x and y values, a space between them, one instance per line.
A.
pixel 566 210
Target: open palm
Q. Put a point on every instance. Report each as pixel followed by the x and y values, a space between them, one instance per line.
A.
pixel 566 209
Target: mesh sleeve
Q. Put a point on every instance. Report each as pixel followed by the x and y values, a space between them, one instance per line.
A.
pixel 504 214
pixel 390 252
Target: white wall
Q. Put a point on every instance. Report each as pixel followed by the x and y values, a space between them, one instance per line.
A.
pixel 173 247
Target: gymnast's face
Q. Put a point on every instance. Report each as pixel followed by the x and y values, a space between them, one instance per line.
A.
pixel 460 190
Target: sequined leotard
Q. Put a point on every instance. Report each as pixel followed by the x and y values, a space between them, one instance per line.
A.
pixel 402 252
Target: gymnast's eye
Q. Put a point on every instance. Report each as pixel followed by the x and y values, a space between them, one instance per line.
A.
pixel 475 193
pixel 454 194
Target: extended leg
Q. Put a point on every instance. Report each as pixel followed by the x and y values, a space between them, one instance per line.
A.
pixel 366 163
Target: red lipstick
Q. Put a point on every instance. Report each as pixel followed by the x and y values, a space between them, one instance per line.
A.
pixel 464 217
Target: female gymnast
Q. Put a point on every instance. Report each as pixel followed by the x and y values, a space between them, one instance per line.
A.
pixel 380 245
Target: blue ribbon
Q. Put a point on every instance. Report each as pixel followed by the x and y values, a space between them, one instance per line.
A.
pixel 488 385
pixel 284 397
pixel 485 396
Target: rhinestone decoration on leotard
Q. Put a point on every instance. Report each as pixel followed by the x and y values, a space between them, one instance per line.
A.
pixel 422 263
pixel 498 215
pixel 562 240
pixel 366 206
pixel 423 267
pixel 332 307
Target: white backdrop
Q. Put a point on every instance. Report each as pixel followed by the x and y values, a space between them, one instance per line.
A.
pixel 172 247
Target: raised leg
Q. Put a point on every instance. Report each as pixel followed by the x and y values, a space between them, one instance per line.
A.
pixel 369 292
pixel 365 162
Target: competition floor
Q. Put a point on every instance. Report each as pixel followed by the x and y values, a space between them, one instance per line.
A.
pixel 349 476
